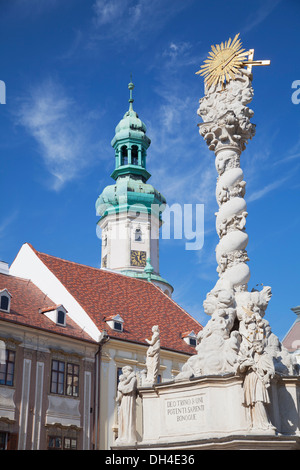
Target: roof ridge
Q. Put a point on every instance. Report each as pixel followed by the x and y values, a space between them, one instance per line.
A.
pixel 100 270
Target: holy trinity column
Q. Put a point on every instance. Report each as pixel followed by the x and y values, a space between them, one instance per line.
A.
pixel 237 315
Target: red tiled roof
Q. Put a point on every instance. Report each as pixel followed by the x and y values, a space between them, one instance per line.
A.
pixel 26 304
pixel 140 303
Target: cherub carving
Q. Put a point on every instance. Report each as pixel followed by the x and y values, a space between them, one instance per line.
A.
pixel 235 222
pixel 238 190
pixel 223 195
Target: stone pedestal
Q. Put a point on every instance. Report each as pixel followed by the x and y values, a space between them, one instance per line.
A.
pixel 207 413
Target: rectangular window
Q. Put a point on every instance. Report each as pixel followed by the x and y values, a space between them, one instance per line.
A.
pixel 3 440
pixel 7 369
pixel 118 326
pixel 61 317
pixel 4 302
pixel 54 443
pixel 70 443
pixel 57 377
pixel 64 379
pixel 72 380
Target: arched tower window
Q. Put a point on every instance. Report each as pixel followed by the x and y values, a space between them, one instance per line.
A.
pixel 124 155
pixel 134 155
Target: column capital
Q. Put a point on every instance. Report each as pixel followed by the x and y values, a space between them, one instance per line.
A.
pixel 226 116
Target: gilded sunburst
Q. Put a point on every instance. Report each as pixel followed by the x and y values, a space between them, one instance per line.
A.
pixel 224 62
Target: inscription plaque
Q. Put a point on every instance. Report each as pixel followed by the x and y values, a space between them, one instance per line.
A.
pixel 185 412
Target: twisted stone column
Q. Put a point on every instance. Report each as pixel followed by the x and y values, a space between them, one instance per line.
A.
pixel 227 129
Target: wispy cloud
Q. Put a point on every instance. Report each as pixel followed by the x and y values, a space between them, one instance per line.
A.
pixel 287 159
pixel 259 15
pixel 109 11
pixel 292 154
pixel 181 54
pixel 129 19
pixel 6 223
pixel 267 189
pixel 62 133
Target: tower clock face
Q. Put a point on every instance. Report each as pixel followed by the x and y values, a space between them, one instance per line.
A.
pixel 138 258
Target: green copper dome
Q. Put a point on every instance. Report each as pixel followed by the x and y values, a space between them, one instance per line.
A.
pixel 131 125
pixel 131 188
pixel 128 192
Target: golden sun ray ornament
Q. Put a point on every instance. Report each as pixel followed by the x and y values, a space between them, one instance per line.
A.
pixel 225 60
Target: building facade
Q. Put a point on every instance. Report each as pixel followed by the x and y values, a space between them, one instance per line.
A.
pixel 60 359
pixel 66 329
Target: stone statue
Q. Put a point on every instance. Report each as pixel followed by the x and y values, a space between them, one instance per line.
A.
pixel 126 399
pixel 217 351
pixel 149 377
pixel 259 370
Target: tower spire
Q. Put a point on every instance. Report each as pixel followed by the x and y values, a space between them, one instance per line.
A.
pixel 130 87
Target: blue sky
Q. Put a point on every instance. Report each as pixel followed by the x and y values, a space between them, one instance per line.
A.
pixel 66 65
